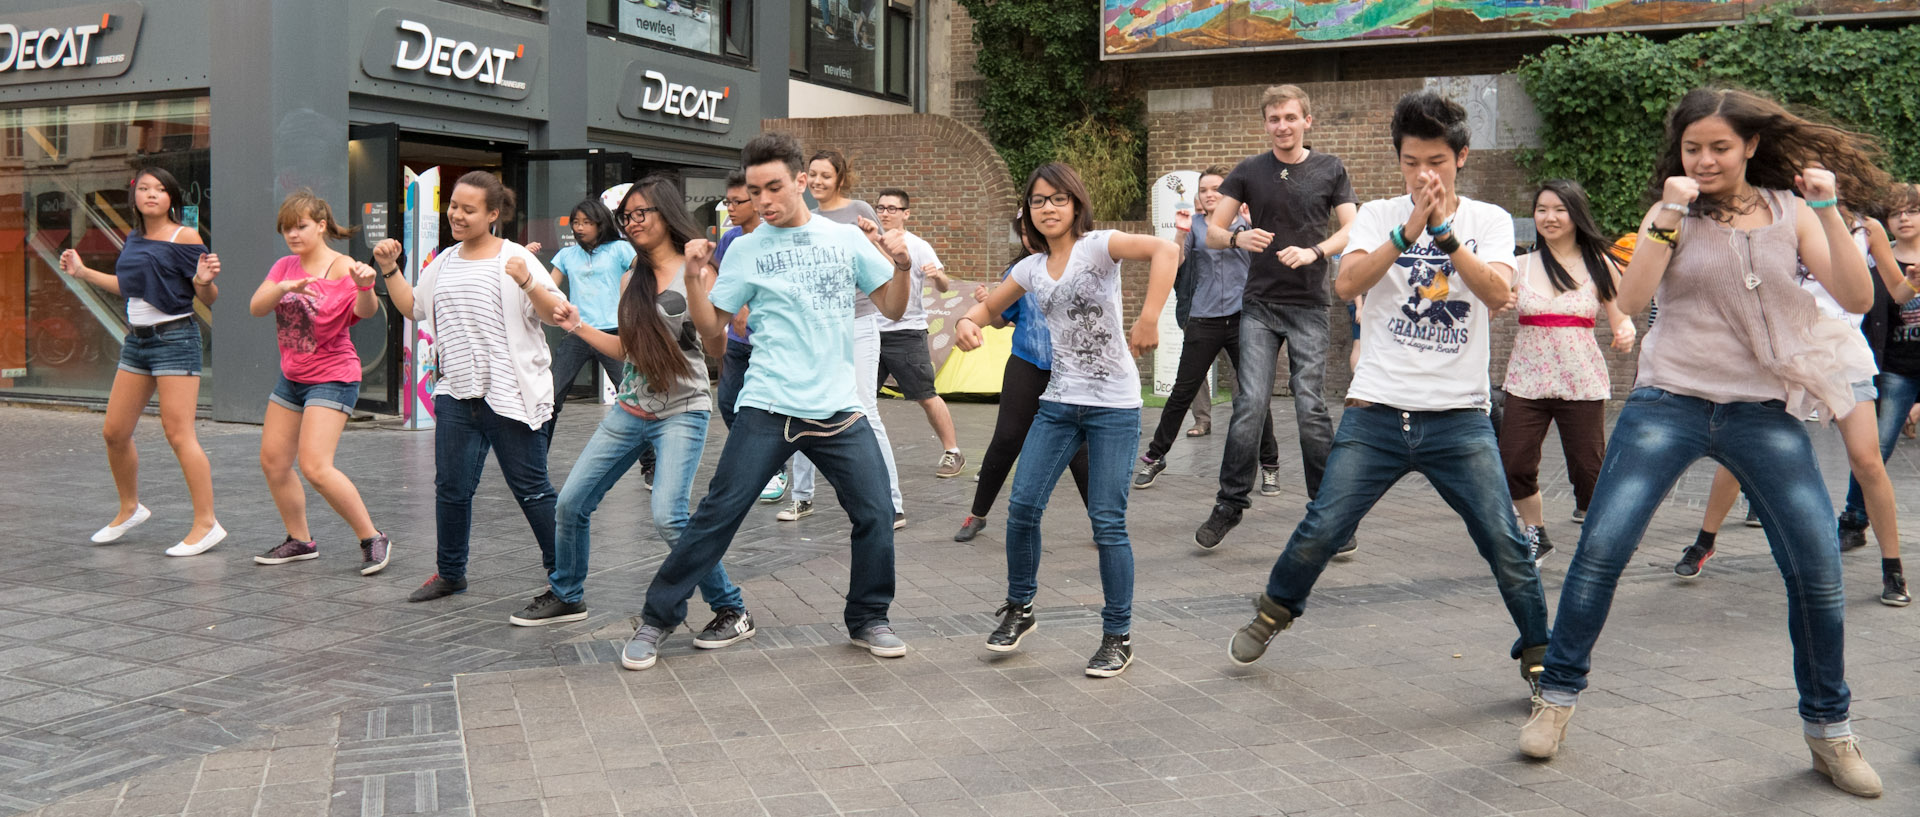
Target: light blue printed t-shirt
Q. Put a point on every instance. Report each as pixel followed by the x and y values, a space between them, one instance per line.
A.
pixel 593 280
pixel 799 283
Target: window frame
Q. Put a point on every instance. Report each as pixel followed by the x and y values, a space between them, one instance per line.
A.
pixel 742 60
pixel 803 21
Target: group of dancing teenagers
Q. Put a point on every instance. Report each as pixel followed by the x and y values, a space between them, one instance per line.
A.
pixel 1755 263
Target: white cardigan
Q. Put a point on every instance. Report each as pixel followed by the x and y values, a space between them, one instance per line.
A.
pixel 525 339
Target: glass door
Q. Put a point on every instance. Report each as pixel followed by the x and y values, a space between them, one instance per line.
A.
pixel 375 205
pixel 548 184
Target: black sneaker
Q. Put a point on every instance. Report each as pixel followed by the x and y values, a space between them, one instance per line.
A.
pixel 1532 664
pixel 437 588
pixel 1015 623
pixel 547 608
pixel 1753 517
pixel 1893 592
pixel 1538 543
pixel 969 528
pixel 646 475
pixel 1579 516
pixel 1250 642
pixel 899 520
pixel 1347 550
pixel 1148 472
pixel 291 550
pixel 728 627
pixel 1270 481
pixel 1218 523
pixel 1115 653
pixel 375 553
pixel 1692 561
pixel 1852 538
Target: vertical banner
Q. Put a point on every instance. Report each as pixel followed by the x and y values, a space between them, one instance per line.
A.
pixel 1171 192
pixel 421 238
pixel 612 197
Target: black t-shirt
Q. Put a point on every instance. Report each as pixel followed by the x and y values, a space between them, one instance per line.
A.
pixel 1294 202
pixel 1903 339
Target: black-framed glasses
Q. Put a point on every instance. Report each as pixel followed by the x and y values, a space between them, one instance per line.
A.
pixel 1057 200
pixel 733 202
pixel 637 215
pixel 888 208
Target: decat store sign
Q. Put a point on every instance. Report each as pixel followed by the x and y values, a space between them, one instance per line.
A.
pixel 84 42
pixel 677 96
pixel 422 50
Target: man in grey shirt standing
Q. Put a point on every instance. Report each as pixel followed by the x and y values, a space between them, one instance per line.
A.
pixel 1220 279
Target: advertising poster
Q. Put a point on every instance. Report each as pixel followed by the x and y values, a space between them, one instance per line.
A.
pixel 685 23
pixel 421 237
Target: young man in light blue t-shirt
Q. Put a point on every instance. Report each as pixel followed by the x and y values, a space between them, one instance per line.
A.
pixel 796 275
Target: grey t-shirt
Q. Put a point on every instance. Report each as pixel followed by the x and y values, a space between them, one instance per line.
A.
pixel 1219 276
pixel 851 213
pixel 683 394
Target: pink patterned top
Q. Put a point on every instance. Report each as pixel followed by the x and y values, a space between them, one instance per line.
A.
pixel 1556 362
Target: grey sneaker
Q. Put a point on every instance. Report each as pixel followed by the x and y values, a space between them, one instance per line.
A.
pixel 1148 472
pixel 291 550
pixel 1250 642
pixel 727 627
pixel 643 649
pixel 879 639
pixel 951 464
pixel 800 509
pixel 1579 516
pixel 547 608
pixel 1269 481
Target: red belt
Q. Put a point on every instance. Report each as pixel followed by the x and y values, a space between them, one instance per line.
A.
pixel 1556 320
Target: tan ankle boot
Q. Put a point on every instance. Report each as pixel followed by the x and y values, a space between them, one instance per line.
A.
pixel 1841 760
pixel 1541 737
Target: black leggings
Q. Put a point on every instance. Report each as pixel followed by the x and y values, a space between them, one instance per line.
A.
pixel 1020 390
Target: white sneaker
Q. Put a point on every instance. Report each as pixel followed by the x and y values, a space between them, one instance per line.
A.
pixel 205 544
pixel 776 488
pixel 112 532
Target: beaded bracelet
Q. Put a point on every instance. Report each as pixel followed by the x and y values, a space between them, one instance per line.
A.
pixel 1399 237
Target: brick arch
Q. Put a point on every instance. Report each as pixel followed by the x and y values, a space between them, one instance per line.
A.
pixel 962 193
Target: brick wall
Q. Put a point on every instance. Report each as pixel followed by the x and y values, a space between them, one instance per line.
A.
pixel 966 80
pixel 962 196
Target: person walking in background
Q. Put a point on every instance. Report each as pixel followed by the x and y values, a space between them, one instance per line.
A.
pixel 163 268
pixel 315 295
pixel 904 354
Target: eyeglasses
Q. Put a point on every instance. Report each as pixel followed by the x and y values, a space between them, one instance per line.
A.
pixel 733 202
pixel 888 208
pixel 1057 200
pixel 637 215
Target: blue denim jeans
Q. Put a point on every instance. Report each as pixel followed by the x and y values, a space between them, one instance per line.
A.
pixel 1111 436
pixel 463 432
pixel 1455 450
pixel 1659 434
pixel 733 375
pixel 844 448
pixel 1897 396
pixel 1264 329
pixel 614 448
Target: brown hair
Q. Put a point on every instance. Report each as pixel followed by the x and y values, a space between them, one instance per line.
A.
pixel 842 173
pixel 1063 180
pixel 1903 197
pixel 303 203
pixel 644 338
pixel 498 196
pixel 1279 94
pixel 1214 170
pixel 1786 143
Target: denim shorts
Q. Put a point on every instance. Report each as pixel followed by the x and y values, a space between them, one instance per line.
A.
pixel 338 395
pixel 173 351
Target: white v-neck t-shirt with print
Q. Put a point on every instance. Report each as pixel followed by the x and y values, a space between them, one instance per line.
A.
pixel 1092 365
pixel 1425 343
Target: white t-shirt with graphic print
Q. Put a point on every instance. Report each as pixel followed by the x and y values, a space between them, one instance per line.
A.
pixel 1092 365
pixel 1425 343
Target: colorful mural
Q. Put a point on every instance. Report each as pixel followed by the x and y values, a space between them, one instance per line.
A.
pixel 1135 28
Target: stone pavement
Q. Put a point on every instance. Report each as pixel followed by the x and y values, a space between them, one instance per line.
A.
pixel 132 684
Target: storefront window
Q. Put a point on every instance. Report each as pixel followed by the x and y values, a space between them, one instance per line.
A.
pixel 861 45
pixel 64 175
pixel 707 26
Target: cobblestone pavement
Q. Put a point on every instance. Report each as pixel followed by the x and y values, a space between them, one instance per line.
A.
pixel 132 684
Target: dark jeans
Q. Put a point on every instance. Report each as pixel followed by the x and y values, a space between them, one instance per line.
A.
pixel 1060 433
pixel 756 449
pixel 1020 390
pixel 1205 338
pixel 463 431
pixel 1583 438
pixel 1264 329
pixel 1660 434
pixel 733 375
pixel 571 355
pixel 1455 450
pixel 1897 396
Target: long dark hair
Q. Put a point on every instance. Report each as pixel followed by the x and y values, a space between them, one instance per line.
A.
pixel 1599 254
pixel 1062 179
pixel 167 183
pixel 644 338
pixel 1787 143
pixel 605 231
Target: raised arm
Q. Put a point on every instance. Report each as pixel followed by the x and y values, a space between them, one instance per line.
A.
pixel 708 320
pixel 1826 246
pixel 71 265
pixel 386 256
pixel 891 297
pixel 544 294
pixel 1163 259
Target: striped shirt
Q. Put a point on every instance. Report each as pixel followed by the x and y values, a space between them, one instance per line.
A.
pixel 475 361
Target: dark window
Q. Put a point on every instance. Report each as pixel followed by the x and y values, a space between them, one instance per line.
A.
pixel 859 45
pixel 721 27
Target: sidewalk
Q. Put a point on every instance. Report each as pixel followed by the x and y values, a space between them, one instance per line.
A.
pixel 132 684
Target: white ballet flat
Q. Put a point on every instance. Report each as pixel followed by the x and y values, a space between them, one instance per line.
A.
pixel 205 544
pixel 112 532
